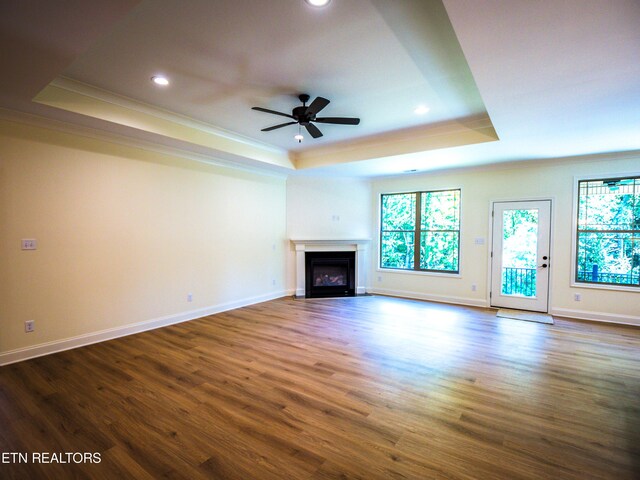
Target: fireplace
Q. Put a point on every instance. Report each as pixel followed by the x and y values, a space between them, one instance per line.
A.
pixel 333 248
pixel 330 274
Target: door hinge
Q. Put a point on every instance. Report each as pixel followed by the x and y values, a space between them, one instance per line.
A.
pixel 490 293
pixel 491 254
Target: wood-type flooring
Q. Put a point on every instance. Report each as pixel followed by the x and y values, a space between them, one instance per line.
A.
pixel 354 388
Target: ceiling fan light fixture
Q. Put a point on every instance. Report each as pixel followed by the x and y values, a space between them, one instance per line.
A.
pixel 299 137
pixel 160 80
pixel 318 3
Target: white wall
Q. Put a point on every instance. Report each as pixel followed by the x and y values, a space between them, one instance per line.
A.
pixel 549 179
pixel 123 236
pixel 326 208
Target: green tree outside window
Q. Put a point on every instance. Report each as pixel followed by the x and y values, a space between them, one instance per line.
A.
pixel 420 231
pixel 608 233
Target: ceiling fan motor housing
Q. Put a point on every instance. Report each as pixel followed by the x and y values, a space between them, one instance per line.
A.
pixel 300 114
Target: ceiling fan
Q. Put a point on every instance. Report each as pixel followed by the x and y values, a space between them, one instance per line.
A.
pixel 304 116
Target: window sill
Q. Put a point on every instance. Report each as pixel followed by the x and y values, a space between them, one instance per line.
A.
pixel 615 288
pixel 419 272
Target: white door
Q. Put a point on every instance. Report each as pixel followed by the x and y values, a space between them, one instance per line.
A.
pixel 520 255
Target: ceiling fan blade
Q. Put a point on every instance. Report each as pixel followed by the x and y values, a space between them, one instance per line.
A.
pixel 318 104
pixel 313 130
pixel 268 129
pixel 338 120
pixel 260 109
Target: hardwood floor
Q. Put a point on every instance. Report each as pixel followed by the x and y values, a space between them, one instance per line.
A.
pixel 354 388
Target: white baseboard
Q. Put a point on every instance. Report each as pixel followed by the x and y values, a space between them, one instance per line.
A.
pixel 472 302
pixel 20 354
pixel 596 316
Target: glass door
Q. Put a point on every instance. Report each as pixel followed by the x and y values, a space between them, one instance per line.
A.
pixel 520 255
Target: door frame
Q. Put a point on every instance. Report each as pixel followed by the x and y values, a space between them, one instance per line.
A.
pixel 552 229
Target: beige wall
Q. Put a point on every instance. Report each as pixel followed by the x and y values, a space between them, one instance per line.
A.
pixel 124 235
pixel 328 207
pixel 552 179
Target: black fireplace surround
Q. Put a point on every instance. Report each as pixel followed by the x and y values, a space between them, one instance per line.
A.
pixel 330 274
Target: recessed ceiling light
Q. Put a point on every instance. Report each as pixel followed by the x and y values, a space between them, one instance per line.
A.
pixel 318 3
pixel 421 110
pixel 160 80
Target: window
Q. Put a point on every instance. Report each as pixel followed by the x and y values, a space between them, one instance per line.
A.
pixel 608 233
pixel 420 231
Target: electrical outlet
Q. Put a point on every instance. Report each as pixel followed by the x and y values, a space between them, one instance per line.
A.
pixel 273 282
pixel 577 297
pixel 189 297
pixel 379 278
pixel 474 287
pixel 29 326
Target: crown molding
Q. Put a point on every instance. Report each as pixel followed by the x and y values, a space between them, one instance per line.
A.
pixel 143 121
pixel 38 121
pixel 87 90
pixel 465 131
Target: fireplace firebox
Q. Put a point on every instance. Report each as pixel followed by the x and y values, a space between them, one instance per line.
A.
pixel 330 274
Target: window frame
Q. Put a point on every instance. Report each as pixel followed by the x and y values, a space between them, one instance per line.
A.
pixel 574 234
pixel 417 232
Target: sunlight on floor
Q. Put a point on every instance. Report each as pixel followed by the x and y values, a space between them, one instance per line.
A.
pixel 416 339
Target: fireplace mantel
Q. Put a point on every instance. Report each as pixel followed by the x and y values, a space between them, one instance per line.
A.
pixel 331 245
pixel 329 241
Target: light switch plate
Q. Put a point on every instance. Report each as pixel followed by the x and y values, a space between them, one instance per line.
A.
pixel 29 244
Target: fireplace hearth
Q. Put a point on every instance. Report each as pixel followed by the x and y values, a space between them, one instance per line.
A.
pixel 330 274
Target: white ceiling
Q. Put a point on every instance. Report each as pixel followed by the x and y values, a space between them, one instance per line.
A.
pixel 222 61
pixel 505 80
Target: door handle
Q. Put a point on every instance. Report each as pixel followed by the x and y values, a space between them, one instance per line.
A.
pixel 544 265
